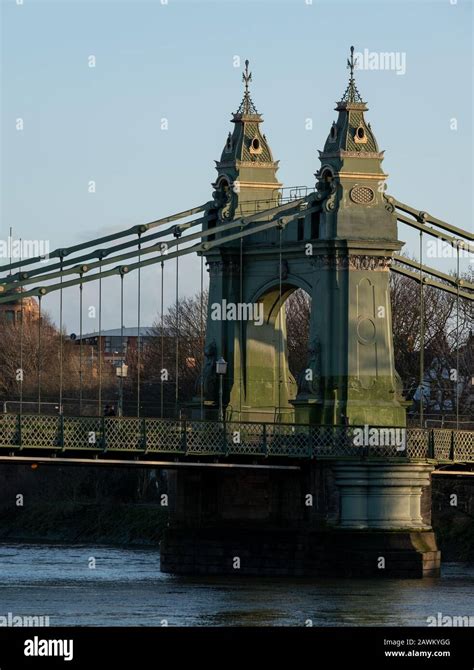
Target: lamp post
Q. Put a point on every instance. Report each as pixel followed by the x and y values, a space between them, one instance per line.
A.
pixel 221 369
pixel 121 372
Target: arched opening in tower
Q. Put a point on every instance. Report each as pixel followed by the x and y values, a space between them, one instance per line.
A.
pixel 276 355
pixel 298 313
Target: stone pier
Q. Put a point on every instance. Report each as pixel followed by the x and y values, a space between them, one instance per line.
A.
pixel 330 518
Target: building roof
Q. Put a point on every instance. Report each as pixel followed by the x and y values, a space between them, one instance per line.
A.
pixel 145 331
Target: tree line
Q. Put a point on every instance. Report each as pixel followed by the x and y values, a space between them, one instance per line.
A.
pixel 173 350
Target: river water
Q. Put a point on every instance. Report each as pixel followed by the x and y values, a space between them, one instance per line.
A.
pixel 126 588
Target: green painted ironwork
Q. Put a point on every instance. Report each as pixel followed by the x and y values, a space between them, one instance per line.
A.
pixel 134 230
pixel 431 282
pixel 145 436
pixel 273 217
pixel 451 279
pixel 424 217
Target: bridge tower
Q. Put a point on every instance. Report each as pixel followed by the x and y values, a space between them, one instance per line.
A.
pixel 351 326
pixel 258 385
pixel 336 244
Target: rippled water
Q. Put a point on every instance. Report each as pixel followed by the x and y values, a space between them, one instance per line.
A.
pixel 126 588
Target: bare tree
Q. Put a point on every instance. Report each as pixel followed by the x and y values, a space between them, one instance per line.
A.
pixel 445 330
pixel 448 340
pixel 174 352
pixel 30 354
pixel 35 358
pixel 298 312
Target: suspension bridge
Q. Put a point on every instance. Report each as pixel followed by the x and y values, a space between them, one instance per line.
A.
pixel 339 242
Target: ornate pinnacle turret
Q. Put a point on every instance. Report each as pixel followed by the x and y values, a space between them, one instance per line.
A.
pixel 351 135
pixel 246 160
pixel 247 106
pixel 351 94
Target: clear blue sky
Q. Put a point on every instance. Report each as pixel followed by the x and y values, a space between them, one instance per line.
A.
pixel 176 61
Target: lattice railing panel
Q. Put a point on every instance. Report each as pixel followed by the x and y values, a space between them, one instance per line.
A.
pixel 124 434
pixel 388 443
pixel 205 437
pixel 164 436
pixel 418 443
pixel 288 440
pixel 335 441
pixel 442 443
pixel 464 445
pixel 246 438
pixel 9 430
pixel 82 433
pixel 40 431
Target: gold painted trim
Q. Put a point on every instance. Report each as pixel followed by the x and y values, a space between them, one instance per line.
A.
pixel 252 164
pixel 267 185
pixel 357 175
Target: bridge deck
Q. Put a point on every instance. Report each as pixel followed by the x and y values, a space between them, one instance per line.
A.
pixel 169 439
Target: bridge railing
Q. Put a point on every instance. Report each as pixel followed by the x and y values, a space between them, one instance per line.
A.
pixel 213 438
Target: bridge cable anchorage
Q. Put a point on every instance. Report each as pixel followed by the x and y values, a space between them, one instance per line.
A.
pixel 422 334
pixel 139 340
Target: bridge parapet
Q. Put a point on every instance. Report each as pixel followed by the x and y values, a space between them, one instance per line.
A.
pixel 172 437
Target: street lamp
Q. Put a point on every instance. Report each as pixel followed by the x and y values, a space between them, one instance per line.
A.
pixel 121 371
pixel 221 369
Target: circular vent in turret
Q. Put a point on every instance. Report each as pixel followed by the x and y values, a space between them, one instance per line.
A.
pixel 362 195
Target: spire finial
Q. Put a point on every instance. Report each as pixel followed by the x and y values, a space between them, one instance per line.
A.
pixel 247 106
pixel 351 93
pixel 246 76
pixel 352 64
